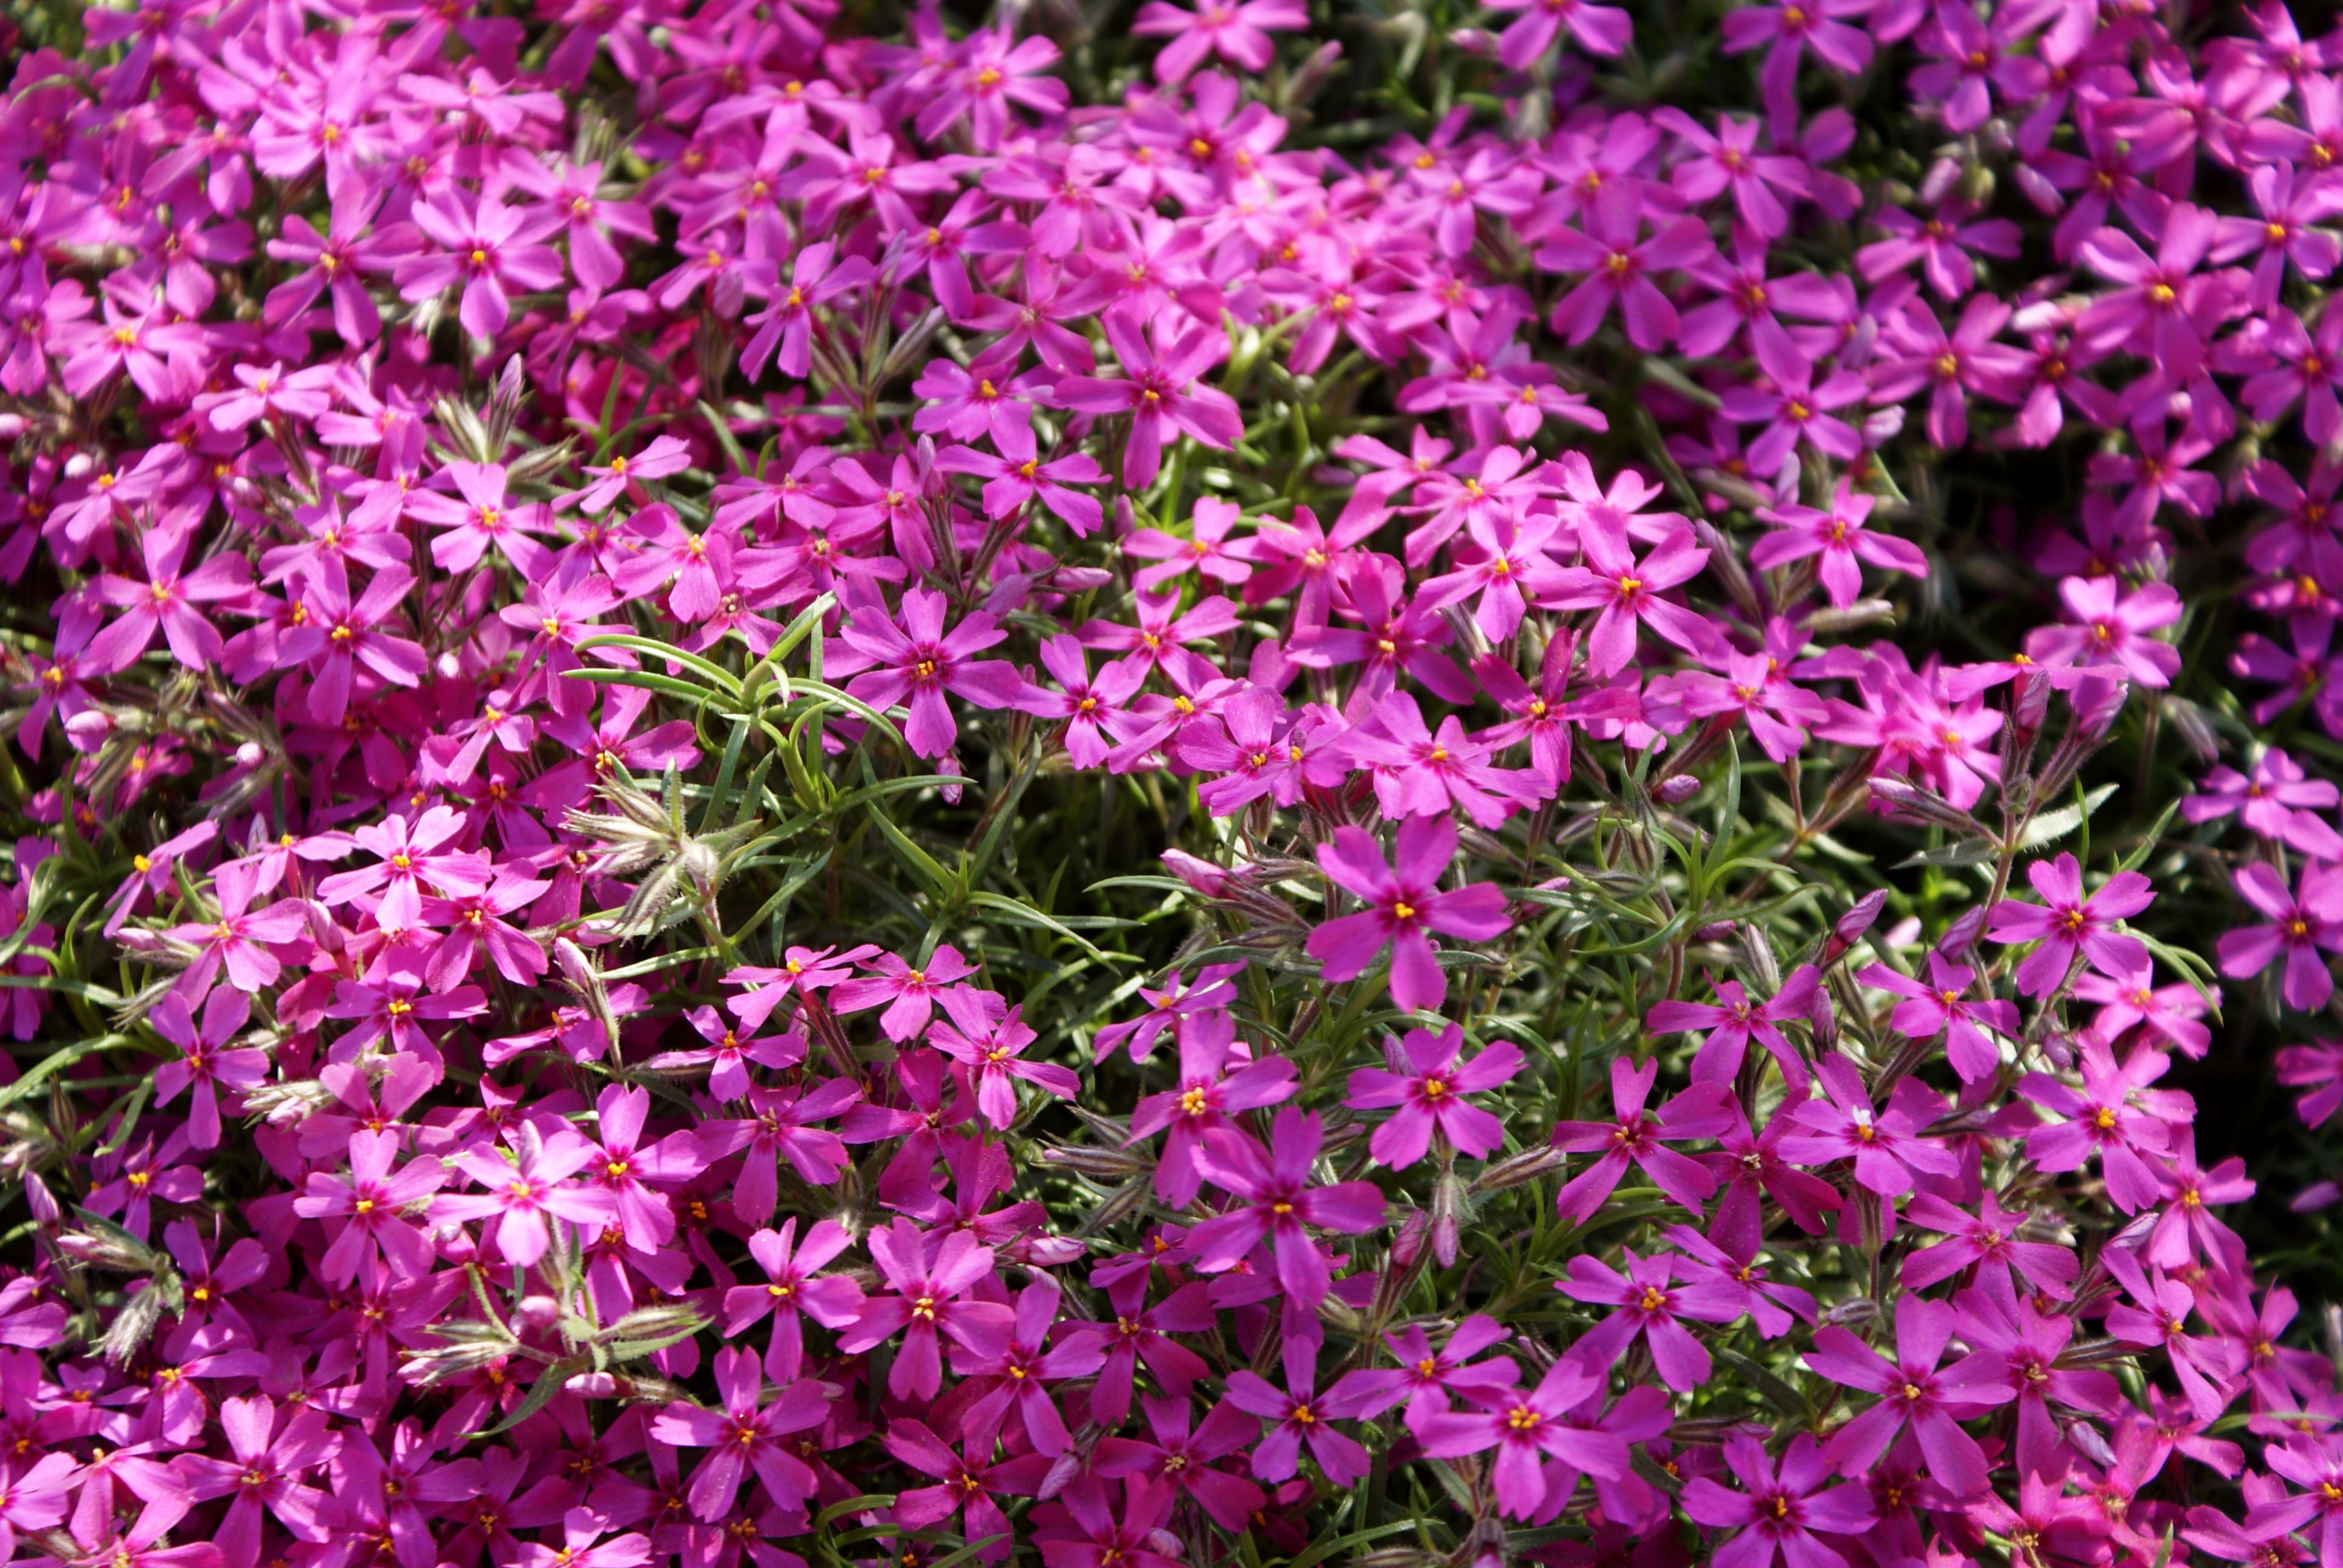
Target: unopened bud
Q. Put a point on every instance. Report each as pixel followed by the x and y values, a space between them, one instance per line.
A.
pixel 110 1249
pixel 1105 1164
pixel 1448 1216
pixel 1523 1168
pixel 1889 794
pixel 1676 789
pixel 1962 934
pixel 135 1323
pixel 665 1321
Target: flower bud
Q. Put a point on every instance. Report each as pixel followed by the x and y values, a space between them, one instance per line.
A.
pixel 538 1312
pixel 1526 1166
pixel 112 1249
pixel 1676 789
pixel 135 1324
pixel 1106 1164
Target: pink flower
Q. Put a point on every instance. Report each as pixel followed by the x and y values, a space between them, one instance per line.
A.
pixel 1840 537
pixel 1943 1007
pixel 1528 1426
pixel 1425 1091
pixel 264 1475
pixel 1407 904
pixel 916 663
pixel 485 248
pixel 164 601
pixel 1778 1514
pixel 1618 262
pixel 525 1195
pixel 2301 927
pixel 2066 924
pixel 1626 592
pixel 1159 389
pixel 746 1436
pixel 1237 33
pixel 203 1062
pixel 1732 1021
pixel 1636 1136
pixel 1276 1200
pixel 1913 1390
pixel 926 1284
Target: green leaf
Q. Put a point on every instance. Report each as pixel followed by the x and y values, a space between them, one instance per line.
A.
pixel 2050 827
pixel 941 885
pixel 649 681
pixel 1967 852
pixel 846 1506
pixel 50 1066
pixel 540 1394
pixel 2136 856
pixel 1320 1549
pixel 707 668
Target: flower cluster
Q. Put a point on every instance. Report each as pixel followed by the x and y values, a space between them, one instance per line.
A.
pixel 804 795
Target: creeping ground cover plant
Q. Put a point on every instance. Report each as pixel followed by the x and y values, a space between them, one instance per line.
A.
pixel 1273 783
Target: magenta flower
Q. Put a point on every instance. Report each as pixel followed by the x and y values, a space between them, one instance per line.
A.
pixel 488 248
pixel 2114 1115
pixel 785 326
pixel 264 1475
pixel 1425 1091
pixel 1627 594
pixel 969 1485
pixel 204 1061
pixel 1751 1167
pixel 987 1038
pixel 781 1126
pixel 1302 1416
pixel 1276 1199
pixel 914 664
pixel 1778 1514
pixel 792 1291
pixel 1208 1089
pixel 1913 1390
pixel 2278 801
pixel 1987 1240
pixel 1638 1137
pixel 409 851
pixel 370 1215
pixel 1888 1151
pixel 1170 1006
pixel 337 635
pixel 1732 1021
pixel 1528 1426
pixel 1600 30
pixel 909 993
pixel 746 1436
pixel 1096 713
pixel 2066 923
pixel 1648 1308
pixel 1019 476
pixel 528 1193
pixel 2107 628
pixel 165 602
pixel 2302 926
pixel 924 1299
pixel 1839 537
pixel 238 940
pixel 1237 33
pixel 1407 906
pixel 1143 1333
pixel 1943 1006
pixel 1173 1453
pixel 1158 389
pixel 1619 263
